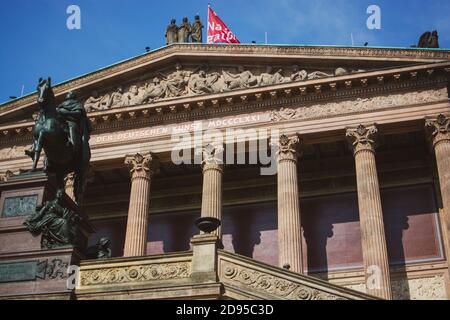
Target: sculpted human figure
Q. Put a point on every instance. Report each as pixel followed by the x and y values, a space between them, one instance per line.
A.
pixel 93 102
pixel 132 97
pixel 244 79
pixel 116 98
pixel 79 128
pixel 57 224
pixel 176 82
pixel 268 78
pixel 101 250
pixel 424 40
pixel 340 72
pixel 197 30
pixel 172 32
pixel 297 74
pixel 184 30
pixel 318 75
pixel 200 83
pixel 434 40
pixel 155 90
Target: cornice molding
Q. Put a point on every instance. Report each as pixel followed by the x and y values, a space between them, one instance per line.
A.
pixel 282 95
pixel 237 50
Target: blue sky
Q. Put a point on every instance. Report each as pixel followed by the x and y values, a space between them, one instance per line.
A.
pixel 35 41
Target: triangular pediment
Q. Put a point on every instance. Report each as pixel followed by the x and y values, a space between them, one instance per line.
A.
pixel 184 71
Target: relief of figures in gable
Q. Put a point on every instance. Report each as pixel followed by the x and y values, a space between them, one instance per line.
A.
pixel 198 81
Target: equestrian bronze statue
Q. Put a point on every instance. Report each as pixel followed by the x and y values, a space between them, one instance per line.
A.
pixel 63 133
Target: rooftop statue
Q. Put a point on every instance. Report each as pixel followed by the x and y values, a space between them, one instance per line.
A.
pixel 172 32
pixel 63 132
pixel 184 31
pixel 197 30
pixel 429 40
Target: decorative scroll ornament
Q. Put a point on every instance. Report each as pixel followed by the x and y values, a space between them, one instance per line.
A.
pixel 362 138
pixel 288 148
pixel 139 273
pixel 273 285
pixel 141 165
pixel 439 128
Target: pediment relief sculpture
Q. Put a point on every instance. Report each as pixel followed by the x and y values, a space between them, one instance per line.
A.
pixel 200 81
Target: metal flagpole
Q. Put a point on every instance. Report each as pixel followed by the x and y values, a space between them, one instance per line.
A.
pixel 207 24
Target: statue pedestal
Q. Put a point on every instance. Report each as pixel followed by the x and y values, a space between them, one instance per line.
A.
pixel 25 267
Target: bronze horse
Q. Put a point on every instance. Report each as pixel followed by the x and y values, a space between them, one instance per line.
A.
pixel 63 133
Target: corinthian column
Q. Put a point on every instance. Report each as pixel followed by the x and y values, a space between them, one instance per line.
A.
pixel 439 128
pixel 376 263
pixel 212 168
pixel 141 170
pixel 289 226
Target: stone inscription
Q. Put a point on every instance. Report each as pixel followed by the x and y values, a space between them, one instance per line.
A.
pixel 19 271
pixel 19 206
pixel 188 127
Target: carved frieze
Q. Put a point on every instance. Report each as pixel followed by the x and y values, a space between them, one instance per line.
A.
pixel 425 288
pixel 13 152
pixel 141 273
pixel 183 82
pixel 358 105
pixel 271 284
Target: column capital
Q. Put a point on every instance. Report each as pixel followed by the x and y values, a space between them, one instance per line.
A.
pixel 212 157
pixel 288 148
pixel 438 128
pixel 141 165
pixel 362 138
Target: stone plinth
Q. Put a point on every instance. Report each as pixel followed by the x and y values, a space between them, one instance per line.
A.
pixel 204 259
pixel 27 271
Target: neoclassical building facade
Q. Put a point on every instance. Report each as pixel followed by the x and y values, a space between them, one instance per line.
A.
pixel 357 208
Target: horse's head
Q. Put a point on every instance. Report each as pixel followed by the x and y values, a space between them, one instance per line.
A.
pixel 44 90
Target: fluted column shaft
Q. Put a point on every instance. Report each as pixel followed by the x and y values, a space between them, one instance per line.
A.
pixel 212 169
pixel 69 185
pixel 440 134
pixel 289 224
pixel 373 238
pixel 137 223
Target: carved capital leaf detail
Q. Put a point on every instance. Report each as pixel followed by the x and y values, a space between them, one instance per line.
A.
pixel 141 165
pixel 288 147
pixel 439 128
pixel 212 156
pixel 362 138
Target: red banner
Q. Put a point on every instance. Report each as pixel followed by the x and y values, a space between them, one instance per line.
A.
pixel 218 32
